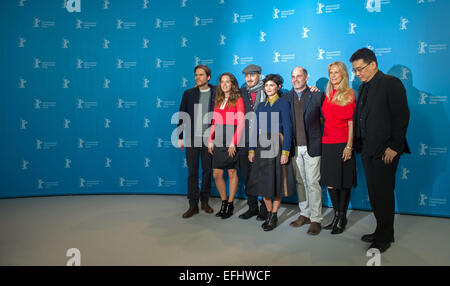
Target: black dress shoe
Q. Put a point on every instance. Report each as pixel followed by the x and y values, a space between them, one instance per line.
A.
pixel 371 238
pixel 333 222
pixel 382 247
pixel 248 214
pixel 222 209
pixel 229 208
pixel 271 222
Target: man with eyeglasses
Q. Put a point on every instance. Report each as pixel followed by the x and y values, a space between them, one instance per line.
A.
pixel 380 122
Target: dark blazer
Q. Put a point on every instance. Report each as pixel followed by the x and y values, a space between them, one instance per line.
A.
pixel 311 117
pixel 387 117
pixel 190 98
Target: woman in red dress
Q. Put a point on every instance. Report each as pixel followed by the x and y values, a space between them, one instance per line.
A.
pixel 338 167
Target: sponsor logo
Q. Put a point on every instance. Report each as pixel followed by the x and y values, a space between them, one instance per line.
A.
pixel 262 36
pixel 124 183
pixel 84 184
pixel 306 30
pixel 25 164
pixel 184 41
pixel 23 124
pixel 41 145
pixel 164 64
pixel 38 64
pixel 351 30
pixel 222 40
pixel 127 143
pixel 122 104
pixel 81 104
pixel 81 64
pixel 403 22
pixel 380 51
pixel 241 60
pixel 121 25
pixel 83 144
pixel 66 123
pixel 282 58
pixel 425 201
pixel 165 103
pixel 241 18
pixel 84 25
pixel 39 104
pixel 431 99
pixel 163 183
pixel 322 54
pixel 160 24
pixel 41 184
pixel 328 8
pixel 124 65
pixel 21 43
pixel 22 83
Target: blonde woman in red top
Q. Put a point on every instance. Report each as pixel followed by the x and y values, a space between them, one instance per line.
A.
pixel 338 167
pixel 225 134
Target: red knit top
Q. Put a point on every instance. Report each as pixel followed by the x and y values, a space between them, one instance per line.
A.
pixel 336 120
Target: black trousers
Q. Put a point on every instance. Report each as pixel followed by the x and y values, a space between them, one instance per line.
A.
pixel 380 185
pixel 245 166
pixel 193 154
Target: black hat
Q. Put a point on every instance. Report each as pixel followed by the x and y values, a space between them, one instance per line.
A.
pixel 252 69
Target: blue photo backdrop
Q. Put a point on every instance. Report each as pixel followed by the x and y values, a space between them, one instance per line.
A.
pixel 87 97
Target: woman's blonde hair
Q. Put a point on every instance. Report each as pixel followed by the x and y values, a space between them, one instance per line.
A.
pixel 344 94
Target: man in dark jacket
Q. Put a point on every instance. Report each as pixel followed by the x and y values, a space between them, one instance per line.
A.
pixel 195 104
pixel 306 148
pixel 380 122
pixel 252 94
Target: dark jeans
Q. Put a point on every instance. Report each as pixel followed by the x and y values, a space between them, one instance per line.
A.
pixel 192 158
pixel 245 166
pixel 380 185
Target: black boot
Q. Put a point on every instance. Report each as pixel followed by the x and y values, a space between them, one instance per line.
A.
pixel 334 196
pixel 341 223
pixel 222 209
pixel 229 208
pixel 333 222
pixel 263 213
pixel 272 222
pixel 267 220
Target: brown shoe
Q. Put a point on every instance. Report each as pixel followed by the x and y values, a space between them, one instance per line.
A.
pixel 314 228
pixel 300 221
pixel 190 212
pixel 207 208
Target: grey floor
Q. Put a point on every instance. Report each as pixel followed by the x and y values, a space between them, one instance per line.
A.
pixel 149 230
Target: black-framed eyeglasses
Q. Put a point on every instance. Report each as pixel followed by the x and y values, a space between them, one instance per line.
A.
pixel 360 69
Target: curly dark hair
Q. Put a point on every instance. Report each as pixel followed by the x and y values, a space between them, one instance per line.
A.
pixel 235 93
pixel 276 78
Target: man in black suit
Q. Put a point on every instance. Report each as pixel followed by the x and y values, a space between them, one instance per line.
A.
pixel 380 122
pixel 195 104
